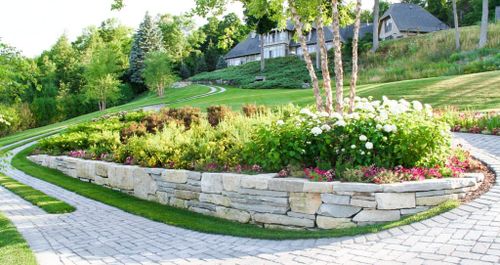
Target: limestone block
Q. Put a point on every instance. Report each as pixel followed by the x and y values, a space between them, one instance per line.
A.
pixel 175 175
pixel 259 182
pixel 279 219
pixel 211 183
pixel 287 184
pixel 232 214
pixel 356 187
pixel 336 199
pixel 325 222
pixel 435 200
pixel 412 186
pixel 231 182
pixel 144 185
pixel 363 203
pixel 369 215
pixel 320 187
pixel 334 210
pixel 390 201
pixel 307 203
pixel 215 199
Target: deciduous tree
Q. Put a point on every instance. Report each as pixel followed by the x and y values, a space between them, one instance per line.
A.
pixel 158 72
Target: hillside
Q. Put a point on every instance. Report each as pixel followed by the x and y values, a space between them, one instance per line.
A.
pixel 421 56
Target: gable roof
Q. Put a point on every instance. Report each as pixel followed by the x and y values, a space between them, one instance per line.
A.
pixel 410 17
pixel 250 46
pixel 364 29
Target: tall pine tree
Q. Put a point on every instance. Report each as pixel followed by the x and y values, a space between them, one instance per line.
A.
pixel 148 38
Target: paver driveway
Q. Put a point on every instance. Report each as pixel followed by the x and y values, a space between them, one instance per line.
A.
pixel 100 234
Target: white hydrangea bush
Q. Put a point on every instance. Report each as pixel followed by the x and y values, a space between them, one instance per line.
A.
pixel 384 133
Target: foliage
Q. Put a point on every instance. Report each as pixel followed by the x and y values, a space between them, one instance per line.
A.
pixel 284 72
pixel 216 114
pixel 157 72
pixel 148 38
pixel 472 122
pixel 385 134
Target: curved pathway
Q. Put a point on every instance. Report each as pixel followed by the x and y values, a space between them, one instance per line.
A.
pixel 100 234
pixel 214 90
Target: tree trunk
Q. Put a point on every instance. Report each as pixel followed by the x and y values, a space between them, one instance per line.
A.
pixel 317 55
pixel 262 60
pixel 455 21
pixel 327 86
pixel 375 26
pixel 307 57
pixel 355 38
pixel 339 72
pixel 484 25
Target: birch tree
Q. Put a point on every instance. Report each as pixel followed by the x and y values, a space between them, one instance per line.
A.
pixel 376 11
pixel 455 21
pixel 323 52
pixel 483 36
pixel 355 38
pixel 307 57
pixel 339 71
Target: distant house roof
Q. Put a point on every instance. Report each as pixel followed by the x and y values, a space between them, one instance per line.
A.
pixel 410 17
pixel 250 46
pixel 364 29
pixel 314 36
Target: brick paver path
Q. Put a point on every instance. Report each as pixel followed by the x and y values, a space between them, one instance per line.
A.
pixel 100 234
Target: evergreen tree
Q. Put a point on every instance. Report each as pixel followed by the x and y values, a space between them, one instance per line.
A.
pixel 148 38
pixel 221 63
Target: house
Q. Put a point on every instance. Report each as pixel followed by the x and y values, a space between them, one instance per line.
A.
pixel 277 43
pixel 402 20
pixel 497 13
pixel 280 43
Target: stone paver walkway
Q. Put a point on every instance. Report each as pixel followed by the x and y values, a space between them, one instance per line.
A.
pixel 100 234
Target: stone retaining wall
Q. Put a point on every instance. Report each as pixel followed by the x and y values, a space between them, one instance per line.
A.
pixel 265 199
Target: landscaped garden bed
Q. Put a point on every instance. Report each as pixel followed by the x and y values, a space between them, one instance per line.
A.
pixel 285 167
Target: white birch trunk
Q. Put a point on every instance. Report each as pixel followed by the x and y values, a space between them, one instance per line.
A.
pixel 339 72
pixel 354 75
pixel 455 21
pixel 375 26
pixel 327 86
pixel 484 26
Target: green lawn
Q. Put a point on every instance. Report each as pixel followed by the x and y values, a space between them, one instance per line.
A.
pixel 194 221
pixel 474 91
pixel 13 248
pixel 47 203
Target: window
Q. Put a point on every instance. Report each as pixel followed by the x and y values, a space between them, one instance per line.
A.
pixel 270 54
pixel 388 26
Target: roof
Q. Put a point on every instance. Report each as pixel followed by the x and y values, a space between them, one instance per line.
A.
pixel 410 17
pixel 364 29
pixel 247 47
pixel 314 35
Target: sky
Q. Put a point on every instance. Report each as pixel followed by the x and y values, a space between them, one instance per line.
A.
pixel 34 25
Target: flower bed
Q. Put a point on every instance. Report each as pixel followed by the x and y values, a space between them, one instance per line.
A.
pixel 381 142
pixel 473 122
pixel 266 199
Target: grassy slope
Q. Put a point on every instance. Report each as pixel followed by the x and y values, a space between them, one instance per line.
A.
pixel 35 197
pixel 427 55
pixel 479 91
pixel 13 247
pixel 194 221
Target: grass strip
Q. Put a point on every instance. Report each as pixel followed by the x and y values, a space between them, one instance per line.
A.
pixel 194 221
pixel 35 197
pixel 13 247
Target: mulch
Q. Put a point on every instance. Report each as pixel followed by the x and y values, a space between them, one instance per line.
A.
pixel 489 180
